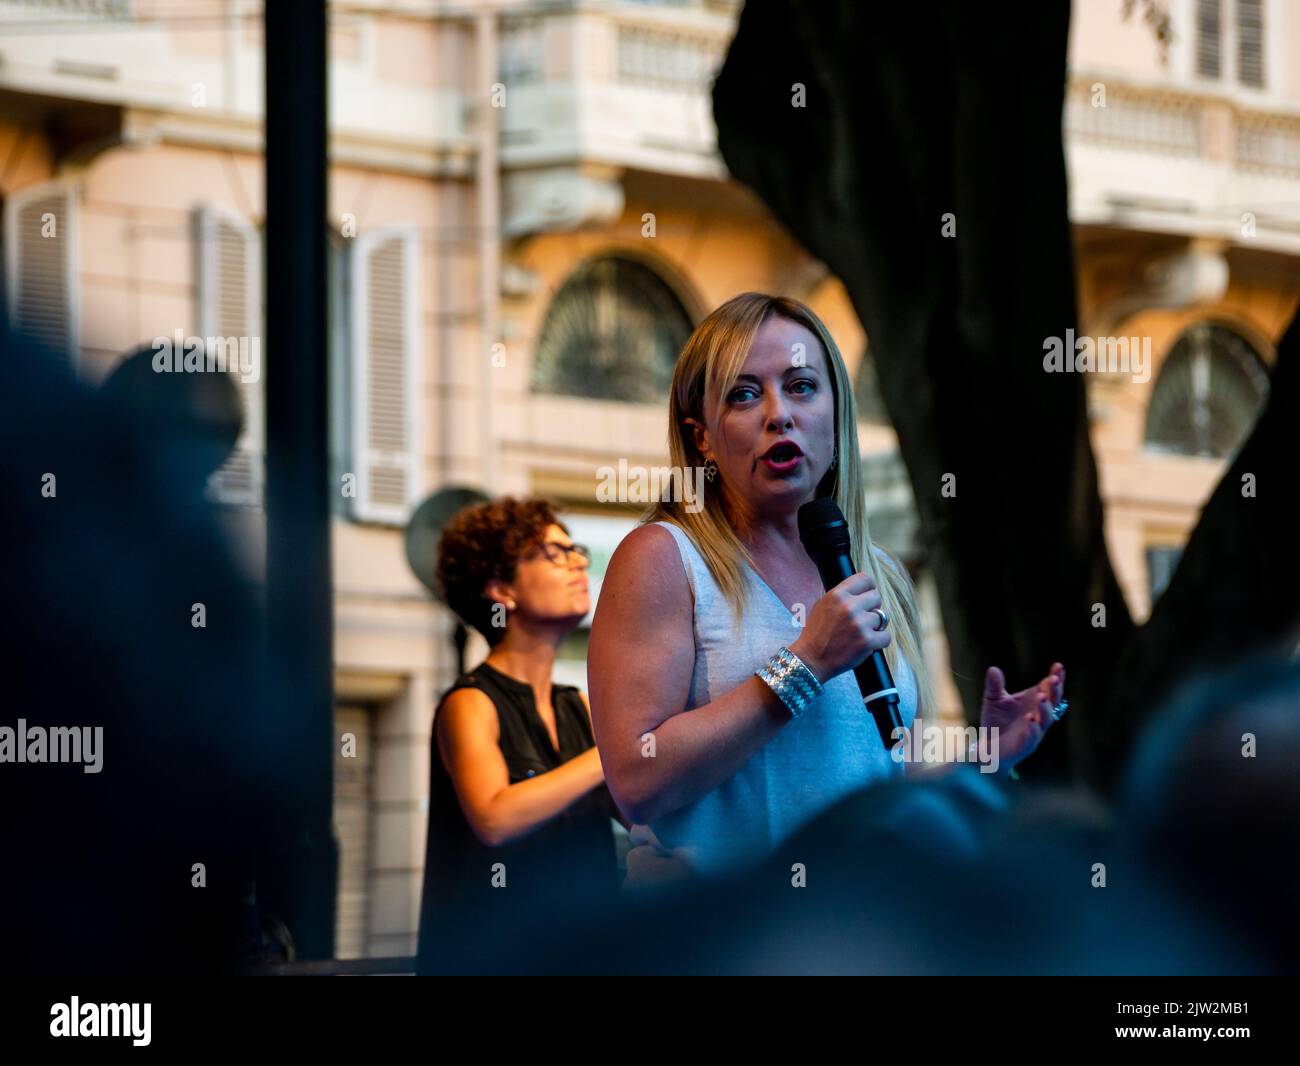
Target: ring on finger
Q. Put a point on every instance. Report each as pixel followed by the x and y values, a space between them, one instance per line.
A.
pixel 884 618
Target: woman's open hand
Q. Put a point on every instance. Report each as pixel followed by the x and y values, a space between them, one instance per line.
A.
pixel 1020 718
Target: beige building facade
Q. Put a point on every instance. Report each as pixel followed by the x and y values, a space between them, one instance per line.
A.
pixel 528 214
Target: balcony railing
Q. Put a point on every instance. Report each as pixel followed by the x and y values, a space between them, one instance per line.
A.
pixel 1269 144
pixel 37 11
pixel 627 85
pixel 1144 121
pixel 667 58
pixel 1174 123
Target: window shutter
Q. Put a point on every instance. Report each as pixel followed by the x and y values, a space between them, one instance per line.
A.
pixel 230 306
pixel 40 238
pixel 385 440
pixel 354 795
pixel 1208 38
pixel 1250 43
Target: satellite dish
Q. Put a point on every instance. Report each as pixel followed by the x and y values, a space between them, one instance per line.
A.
pixel 424 530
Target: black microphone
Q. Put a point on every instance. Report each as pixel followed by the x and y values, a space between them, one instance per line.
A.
pixel 826 539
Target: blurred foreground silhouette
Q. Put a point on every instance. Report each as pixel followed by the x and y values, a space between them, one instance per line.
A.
pixel 111 547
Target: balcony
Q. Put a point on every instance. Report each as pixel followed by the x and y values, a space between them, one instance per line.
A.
pixel 1173 160
pixel 607 88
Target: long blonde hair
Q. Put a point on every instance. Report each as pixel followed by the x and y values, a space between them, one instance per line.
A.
pixel 711 359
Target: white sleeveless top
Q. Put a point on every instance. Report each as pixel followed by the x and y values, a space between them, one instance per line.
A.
pixel 830 751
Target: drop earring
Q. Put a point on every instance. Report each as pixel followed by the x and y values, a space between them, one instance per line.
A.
pixel 710 470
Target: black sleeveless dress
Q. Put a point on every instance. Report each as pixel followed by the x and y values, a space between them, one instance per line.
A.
pixel 481 904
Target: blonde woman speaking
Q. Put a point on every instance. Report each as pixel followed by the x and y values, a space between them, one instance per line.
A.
pixel 719 669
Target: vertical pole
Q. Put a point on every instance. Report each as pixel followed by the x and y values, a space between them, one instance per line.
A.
pixel 488 218
pixel 300 610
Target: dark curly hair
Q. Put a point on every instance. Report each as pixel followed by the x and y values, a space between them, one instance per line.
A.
pixel 484 543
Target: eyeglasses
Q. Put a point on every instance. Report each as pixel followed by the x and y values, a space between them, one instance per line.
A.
pixel 559 553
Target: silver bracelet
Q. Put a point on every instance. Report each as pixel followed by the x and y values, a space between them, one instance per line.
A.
pixel 794 684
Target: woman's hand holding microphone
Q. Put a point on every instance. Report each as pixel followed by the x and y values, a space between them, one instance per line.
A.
pixel 842 628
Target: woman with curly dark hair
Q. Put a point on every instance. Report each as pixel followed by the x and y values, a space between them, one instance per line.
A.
pixel 519 817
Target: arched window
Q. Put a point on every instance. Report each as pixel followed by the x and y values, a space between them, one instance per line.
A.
pixel 613 332
pixel 1208 394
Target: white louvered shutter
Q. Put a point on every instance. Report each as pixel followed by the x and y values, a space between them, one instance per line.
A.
pixel 353 816
pixel 384 389
pixel 230 306
pixel 1250 43
pixel 40 260
pixel 1209 43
